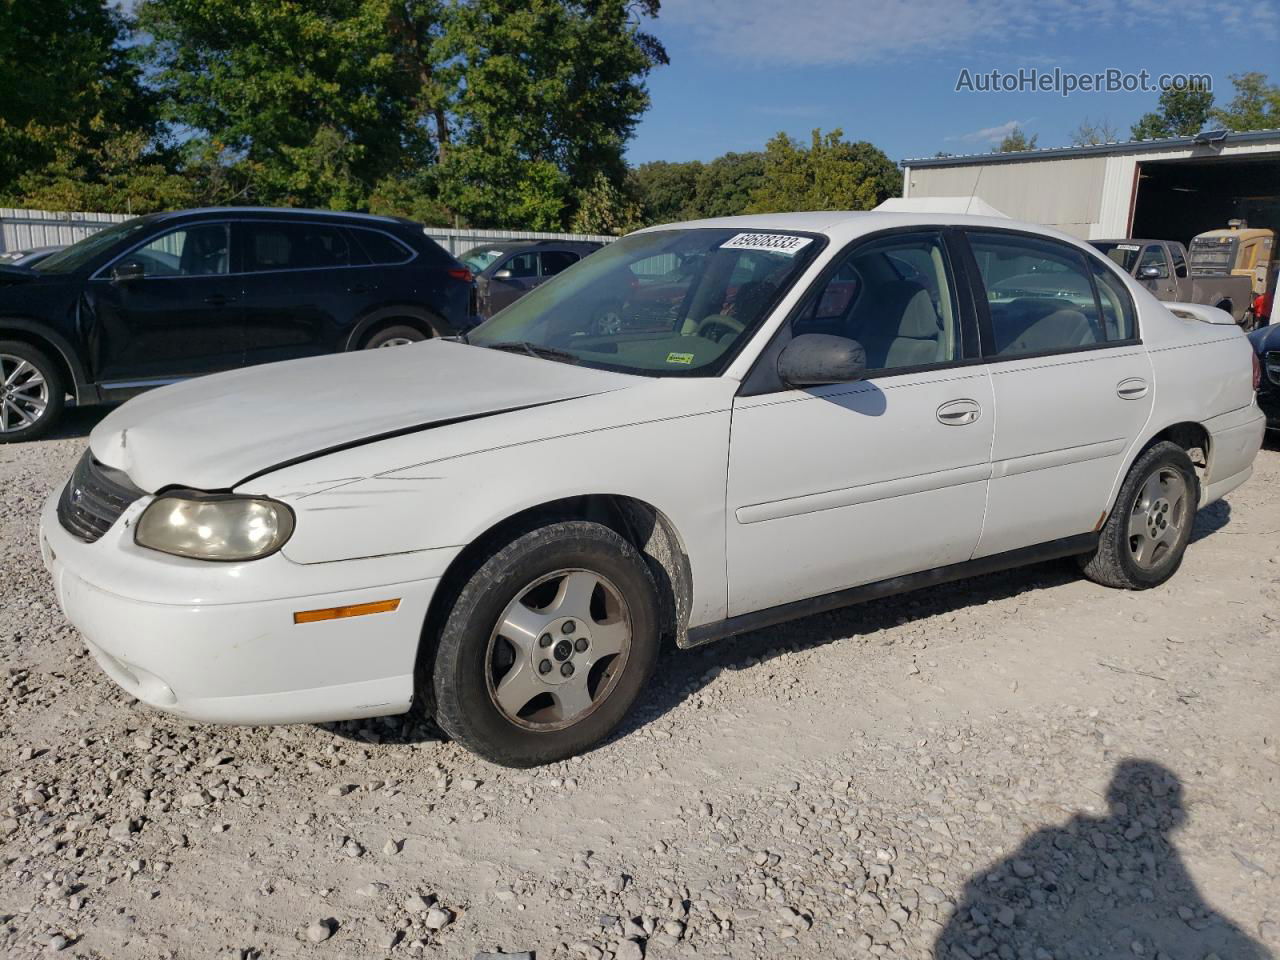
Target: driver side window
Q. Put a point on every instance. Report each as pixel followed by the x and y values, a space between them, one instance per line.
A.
pixel 894 296
pixel 200 250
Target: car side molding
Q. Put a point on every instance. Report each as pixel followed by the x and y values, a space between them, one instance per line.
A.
pixel 771 616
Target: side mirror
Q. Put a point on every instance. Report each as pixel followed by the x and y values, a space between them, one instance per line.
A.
pixel 813 359
pixel 1149 273
pixel 127 272
pixel 502 275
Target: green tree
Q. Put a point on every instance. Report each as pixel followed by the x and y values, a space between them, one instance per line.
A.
pixel 306 99
pixel 67 89
pixel 603 208
pixel 551 91
pixel 726 184
pixel 666 191
pixel 830 174
pixel 1255 106
pixel 122 175
pixel 1015 141
pixel 1182 113
pixel 491 112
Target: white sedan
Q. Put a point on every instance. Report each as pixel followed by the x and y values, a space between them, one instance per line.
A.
pixel 702 429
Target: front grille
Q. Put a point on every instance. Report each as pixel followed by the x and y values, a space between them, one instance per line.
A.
pixel 94 498
pixel 1271 360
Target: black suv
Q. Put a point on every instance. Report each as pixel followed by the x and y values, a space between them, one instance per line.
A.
pixel 174 295
pixel 505 272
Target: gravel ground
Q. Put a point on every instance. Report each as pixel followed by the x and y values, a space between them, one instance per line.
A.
pixel 1018 766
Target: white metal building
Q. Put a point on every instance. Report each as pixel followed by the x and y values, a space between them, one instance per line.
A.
pixel 1161 189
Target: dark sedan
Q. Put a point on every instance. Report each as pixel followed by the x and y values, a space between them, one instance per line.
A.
pixel 175 295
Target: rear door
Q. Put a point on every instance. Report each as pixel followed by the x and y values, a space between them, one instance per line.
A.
pixel 180 318
pixel 303 284
pixel 1071 380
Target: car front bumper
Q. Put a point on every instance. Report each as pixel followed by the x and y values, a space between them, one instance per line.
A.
pixel 202 641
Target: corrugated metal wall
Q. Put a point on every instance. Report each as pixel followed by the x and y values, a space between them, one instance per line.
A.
pixel 1066 194
pixel 24 229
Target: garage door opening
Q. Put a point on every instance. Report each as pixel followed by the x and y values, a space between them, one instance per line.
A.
pixel 1177 199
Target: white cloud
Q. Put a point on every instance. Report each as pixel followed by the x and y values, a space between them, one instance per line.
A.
pixel 815 32
pixel 989 134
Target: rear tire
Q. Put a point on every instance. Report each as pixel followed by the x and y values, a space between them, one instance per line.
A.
pixel 547 646
pixel 32 393
pixel 395 336
pixel 1145 537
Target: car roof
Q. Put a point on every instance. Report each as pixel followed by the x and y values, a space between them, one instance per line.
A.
pixel 844 225
pixel 268 212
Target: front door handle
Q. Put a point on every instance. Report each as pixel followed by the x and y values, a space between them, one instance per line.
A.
pixel 956 413
pixel 1134 388
pixel 219 300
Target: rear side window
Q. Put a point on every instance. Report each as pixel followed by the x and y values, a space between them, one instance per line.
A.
pixel 553 261
pixel 1039 294
pixel 1179 263
pixel 298 246
pixel 1117 305
pixel 381 248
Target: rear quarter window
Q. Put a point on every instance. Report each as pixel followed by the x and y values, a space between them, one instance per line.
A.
pixel 381 248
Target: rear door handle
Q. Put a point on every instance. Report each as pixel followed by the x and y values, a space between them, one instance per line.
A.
pixel 956 413
pixel 1134 388
pixel 219 300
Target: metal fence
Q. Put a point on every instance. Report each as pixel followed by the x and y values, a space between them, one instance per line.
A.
pixel 23 229
pixel 457 241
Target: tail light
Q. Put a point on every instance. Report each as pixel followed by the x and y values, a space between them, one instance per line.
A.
pixel 1262 306
pixel 1257 372
pixel 461 273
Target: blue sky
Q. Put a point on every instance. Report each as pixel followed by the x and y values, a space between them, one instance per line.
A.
pixel 886 70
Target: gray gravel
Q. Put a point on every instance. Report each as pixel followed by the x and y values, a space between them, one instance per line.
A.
pixel 1022 766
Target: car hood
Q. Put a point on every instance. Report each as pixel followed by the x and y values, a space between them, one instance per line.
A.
pixel 215 432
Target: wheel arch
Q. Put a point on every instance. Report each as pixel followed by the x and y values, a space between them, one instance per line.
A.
pixel 643 525
pixel 1187 434
pixel 58 349
pixel 420 318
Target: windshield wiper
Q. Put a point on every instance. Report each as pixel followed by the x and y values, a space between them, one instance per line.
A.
pixel 534 350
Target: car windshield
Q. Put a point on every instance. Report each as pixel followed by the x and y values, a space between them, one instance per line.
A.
pixel 477 258
pixel 1124 255
pixel 665 303
pixel 82 252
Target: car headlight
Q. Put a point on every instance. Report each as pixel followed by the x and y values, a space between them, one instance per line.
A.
pixel 208 526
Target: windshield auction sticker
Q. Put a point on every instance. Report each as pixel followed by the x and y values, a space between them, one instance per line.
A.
pixel 770 242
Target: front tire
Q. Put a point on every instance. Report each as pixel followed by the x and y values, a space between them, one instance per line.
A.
pixel 547 646
pixel 32 393
pixel 1145 537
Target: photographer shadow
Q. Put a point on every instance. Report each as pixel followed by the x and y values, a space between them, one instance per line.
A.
pixel 1110 886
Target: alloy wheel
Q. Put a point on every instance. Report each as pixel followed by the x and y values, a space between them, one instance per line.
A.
pixel 558 649
pixel 24 393
pixel 1158 516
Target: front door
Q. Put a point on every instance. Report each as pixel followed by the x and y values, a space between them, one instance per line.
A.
pixel 513 280
pixel 1073 386
pixel 180 317
pixel 836 486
